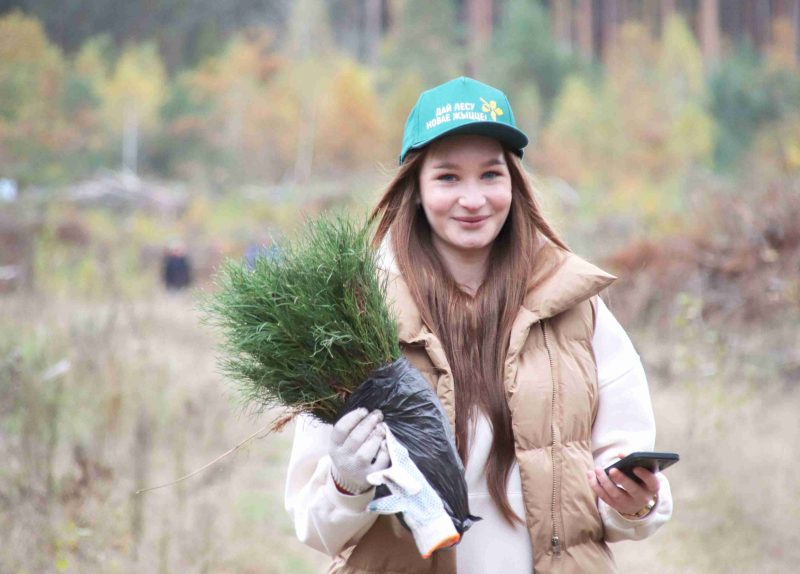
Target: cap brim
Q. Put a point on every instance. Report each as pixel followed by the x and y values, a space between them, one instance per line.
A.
pixel 510 136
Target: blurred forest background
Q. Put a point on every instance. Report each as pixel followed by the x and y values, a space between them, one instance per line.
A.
pixel 665 142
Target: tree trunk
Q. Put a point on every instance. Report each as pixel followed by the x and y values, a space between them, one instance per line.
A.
pixel 479 18
pixel 623 8
pixel 585 38
pixel 667 9
pixel 304 158
pixel 130 139
pixel 562 22
pixel 609 31
pixel 759 16
pixel 709 31
pixel 372 30
pixel 390 16
pixel 794 14
pixel 651 16
pixel 784 32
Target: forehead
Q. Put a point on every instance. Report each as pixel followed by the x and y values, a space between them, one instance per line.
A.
pixel 465 148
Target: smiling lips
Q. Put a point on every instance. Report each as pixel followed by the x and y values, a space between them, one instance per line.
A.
pixel 471 221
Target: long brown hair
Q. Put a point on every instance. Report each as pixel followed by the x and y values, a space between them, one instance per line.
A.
pixel 474 330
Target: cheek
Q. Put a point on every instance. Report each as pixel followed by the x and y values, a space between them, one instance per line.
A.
pixel 502 202
pixel 436 204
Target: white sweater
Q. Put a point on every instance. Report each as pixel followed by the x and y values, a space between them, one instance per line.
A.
pixel 328 521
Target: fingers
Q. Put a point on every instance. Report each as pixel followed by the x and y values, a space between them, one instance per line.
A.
pixel 636 491
pixel 643 491
pixel 403 481
pixel 622 493
pixel 381 460
pixel 342 429
pixel 650 480
pixel 370 447
pixel 605 488
pixel 359 435
pixel 354 428
pixel 388 505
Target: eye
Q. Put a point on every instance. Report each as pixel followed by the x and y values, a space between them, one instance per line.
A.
pixel 446 177
pixel 492 175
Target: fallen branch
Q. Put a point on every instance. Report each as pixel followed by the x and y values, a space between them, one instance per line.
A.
pixel 267 429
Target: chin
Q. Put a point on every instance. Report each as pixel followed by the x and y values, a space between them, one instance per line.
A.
pixel 472 244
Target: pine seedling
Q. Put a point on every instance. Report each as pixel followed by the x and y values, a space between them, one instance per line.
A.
pixel 304 328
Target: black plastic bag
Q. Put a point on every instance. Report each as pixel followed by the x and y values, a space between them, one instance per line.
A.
pixel 413 412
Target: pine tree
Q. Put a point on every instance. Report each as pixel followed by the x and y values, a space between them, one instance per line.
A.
pixel 526 53
pixel 428 39
pixel 305 327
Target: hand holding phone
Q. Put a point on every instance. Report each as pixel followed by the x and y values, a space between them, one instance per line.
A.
pixel 652 461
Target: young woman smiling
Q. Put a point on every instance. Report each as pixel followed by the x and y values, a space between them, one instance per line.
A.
pixel 541 384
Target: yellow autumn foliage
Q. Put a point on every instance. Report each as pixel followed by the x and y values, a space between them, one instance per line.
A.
pixel 782 50
pixel 691 138
pixel 22 41
pixel 136 89
pixel 680 62
pixel 244 117
pixel 579 144
pixel 396 105
pixel 350 131
pixel 779 148
pixel 32 75
pixel 627 143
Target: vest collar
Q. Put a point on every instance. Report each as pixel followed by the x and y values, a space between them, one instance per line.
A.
pixel 574 281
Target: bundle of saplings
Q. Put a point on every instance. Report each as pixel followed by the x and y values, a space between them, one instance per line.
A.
pixel 309 329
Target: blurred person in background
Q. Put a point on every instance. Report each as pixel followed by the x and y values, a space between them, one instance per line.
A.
pixel 261 247
pixel 540 382
pixel 176 269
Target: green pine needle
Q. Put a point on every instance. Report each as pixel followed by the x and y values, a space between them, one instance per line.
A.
pixel 304 329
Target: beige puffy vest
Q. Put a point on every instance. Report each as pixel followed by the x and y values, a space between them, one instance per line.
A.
pixel 551 385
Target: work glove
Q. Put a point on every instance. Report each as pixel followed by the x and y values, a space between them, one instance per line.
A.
pixel 357 448
pixel 423 511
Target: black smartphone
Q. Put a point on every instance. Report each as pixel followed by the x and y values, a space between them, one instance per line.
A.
pixel 652 461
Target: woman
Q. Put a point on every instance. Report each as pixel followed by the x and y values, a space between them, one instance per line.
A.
pixel 541 385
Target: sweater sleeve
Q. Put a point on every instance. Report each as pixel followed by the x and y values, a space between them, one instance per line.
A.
pixel 324 518
pixel 624 422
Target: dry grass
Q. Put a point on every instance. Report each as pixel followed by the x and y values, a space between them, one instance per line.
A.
pixel 721 402
pixel 142 404
pixel 736 491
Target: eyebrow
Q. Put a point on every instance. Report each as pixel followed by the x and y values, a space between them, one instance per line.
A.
pixel 488 163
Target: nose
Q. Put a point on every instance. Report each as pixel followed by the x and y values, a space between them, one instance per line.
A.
pixel 472 198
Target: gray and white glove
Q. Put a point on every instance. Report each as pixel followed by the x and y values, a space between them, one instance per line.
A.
pixel 358 448
pixel 423 510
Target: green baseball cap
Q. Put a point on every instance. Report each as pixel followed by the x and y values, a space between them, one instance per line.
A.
pixel 462 106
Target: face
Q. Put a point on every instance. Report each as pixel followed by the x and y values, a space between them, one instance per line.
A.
pixel 465 189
